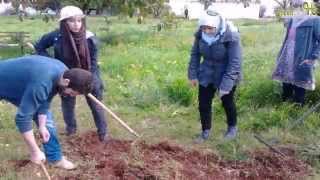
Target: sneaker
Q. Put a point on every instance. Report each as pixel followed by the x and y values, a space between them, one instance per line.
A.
pixel 231 133
pixel 64 164
pixel 203 136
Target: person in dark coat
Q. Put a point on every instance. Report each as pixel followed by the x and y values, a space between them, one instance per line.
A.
pixel 215 66
pixel 76 47
pixel 296 59
pixel 186 13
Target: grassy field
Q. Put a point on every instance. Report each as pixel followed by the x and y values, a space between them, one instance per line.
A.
pixel 146 85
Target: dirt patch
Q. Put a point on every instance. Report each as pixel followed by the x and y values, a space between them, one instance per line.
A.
pixel 128 160
pixel 2 171
pixel 20 164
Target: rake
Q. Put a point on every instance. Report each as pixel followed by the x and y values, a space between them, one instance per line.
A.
pixel 298 121
pixel 113 114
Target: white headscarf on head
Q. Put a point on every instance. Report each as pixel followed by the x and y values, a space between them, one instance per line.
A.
pixel 212 19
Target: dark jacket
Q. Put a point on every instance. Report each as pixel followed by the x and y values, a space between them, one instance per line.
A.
pixel 54 39
pixel 306 47
pixel 221 64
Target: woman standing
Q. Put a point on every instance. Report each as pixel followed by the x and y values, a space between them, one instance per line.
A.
pixel 295 61
pixel 76 48
pixel 217 42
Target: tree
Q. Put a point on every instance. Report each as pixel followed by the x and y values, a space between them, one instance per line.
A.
pixel 206 3
pixel 284 4
pixel 85 5
pixel 155 7
pixel 128 7
pixel 124 7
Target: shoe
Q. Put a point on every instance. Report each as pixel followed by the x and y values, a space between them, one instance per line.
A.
pixel 71 132
pixel 231 133
pixel 64 164
pixel 206 134
pixel 103 138
pixel 203 136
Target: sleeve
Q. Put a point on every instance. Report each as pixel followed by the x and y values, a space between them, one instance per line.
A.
pixel 93 49
pixel 316 46
pixel 45 42
pixel 194 63
pixel 233 69
pixel 34 100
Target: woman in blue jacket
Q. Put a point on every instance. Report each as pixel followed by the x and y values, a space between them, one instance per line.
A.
pixel 295 61
pixel 217 43
pixel 76 48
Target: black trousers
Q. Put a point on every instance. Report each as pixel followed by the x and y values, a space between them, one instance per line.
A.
pixel 290 91
pixel 205 97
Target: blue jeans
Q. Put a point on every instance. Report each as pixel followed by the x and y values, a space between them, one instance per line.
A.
pixel 52 148
pixel 68 105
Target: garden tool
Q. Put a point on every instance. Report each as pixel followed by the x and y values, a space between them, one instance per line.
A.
pixel 112 114
pixel 45 171
pixel 261 140
pixel 291 126
pixel 304 116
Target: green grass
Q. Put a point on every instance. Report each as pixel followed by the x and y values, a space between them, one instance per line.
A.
pixel 146 85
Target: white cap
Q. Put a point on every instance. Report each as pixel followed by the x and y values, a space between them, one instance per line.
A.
pixel 211 19
pixel 70 11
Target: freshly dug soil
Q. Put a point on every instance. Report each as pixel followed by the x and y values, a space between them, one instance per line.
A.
pixel 129 160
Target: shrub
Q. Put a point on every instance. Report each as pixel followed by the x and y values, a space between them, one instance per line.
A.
pixel 179 91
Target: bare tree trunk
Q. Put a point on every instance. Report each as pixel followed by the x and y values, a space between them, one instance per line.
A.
pixel 284 4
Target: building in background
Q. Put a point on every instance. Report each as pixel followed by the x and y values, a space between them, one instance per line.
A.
pixel 6 7
pixel 233 9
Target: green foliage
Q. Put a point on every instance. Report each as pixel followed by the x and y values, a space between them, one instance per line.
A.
pixel 311 153
pixel 179 91
pixel 261 119
pixel 249 39
pixel 85 5
pixel 116 38
pixel 232 151
pixel 146 83
pixel 257 92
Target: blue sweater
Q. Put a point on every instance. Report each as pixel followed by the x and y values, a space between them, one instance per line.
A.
pixel 29 82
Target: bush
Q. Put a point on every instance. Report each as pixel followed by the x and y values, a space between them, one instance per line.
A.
pixel 179 91
pixel 144 93
pixel 260 93
pixel 265 118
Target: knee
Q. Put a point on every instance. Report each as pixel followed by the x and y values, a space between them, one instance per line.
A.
pixel 228 102
pixel 204 107
pixel 97 91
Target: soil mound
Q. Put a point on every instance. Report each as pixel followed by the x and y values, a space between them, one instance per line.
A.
pixel 129 160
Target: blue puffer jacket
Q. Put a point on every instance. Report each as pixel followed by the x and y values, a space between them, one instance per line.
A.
pixel 54 39
pixel 221 64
